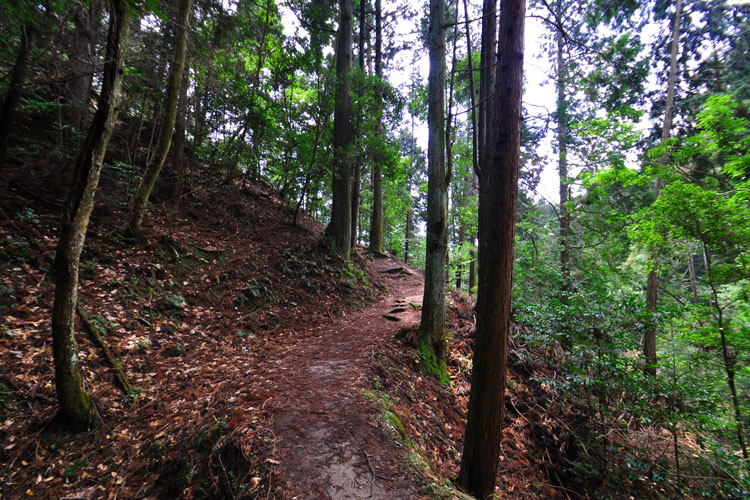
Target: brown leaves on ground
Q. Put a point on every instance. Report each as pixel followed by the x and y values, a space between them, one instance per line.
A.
pixel 225 318
pixel 191 312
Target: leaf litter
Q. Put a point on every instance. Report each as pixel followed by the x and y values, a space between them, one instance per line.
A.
pixel 261 367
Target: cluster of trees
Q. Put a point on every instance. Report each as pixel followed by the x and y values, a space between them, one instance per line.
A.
pixel 640 274
pixel 647 251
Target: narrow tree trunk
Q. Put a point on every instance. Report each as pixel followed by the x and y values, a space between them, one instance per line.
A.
pixel 137 136
pixel 15 87
pixel 459 264
pixel 497 213
pixel 179 139
pixel 728 359
pixel 376 221
pixel 488 61
pixel 449 139
pixel 432 336
pixel 472 95
pixel 357 182
pixel 75 403
pixel 562 162
pixel 407 236
pixel 473 237
pixel 693 279
pixel 339 229
pixel 82 63
pixel 363 34
pixel 156 162
pixel 472 270
pixel 652 283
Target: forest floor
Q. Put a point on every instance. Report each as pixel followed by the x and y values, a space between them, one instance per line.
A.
pixel 262 366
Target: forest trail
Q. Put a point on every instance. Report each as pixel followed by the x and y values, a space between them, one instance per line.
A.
pixel 329 441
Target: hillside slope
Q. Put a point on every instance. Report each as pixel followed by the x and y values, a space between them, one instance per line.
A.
pixel 259 364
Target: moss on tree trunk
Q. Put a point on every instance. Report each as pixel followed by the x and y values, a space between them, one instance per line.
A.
pixel 75 404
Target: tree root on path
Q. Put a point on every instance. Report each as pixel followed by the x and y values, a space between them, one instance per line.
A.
pixel 98 338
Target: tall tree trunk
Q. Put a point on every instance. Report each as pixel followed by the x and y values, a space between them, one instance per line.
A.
pixel 357 181
pixel 339 229
pixel 474 142
pixel 472 94
pixel 82 45
pixel 75 403
pixel 652 283
pixel 488 61
pixel 487 76
pixel 376 221
pixel 156 162
pixel 459 265
pixel 179 138
pixel 450 136
pixel 562 161
pixel 407 236
pixel 363 34
pixel 15 87
pixel 497 213
pixel 432 337
pixel 356 186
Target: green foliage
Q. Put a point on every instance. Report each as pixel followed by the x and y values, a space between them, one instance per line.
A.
pixel 15 250
pixel 246 335
pixel 77 466
pixel 28 215
pixel 175 301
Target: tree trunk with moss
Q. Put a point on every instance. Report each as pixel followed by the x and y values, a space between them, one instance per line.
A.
pixel 498 192
pixel 156 162
pixel 76 405
pixel 432 337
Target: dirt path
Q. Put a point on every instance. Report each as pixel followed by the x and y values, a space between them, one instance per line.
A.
pixel 330 443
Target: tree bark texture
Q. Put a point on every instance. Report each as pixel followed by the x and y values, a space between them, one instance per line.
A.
pixel 339 228
pixel 497 213
pixel 156 161
pixel 15 87
pixel 432 337
pixel 75 404
pixel 652 282
pixel 487 75
pixel 180 126
pixel 376 221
